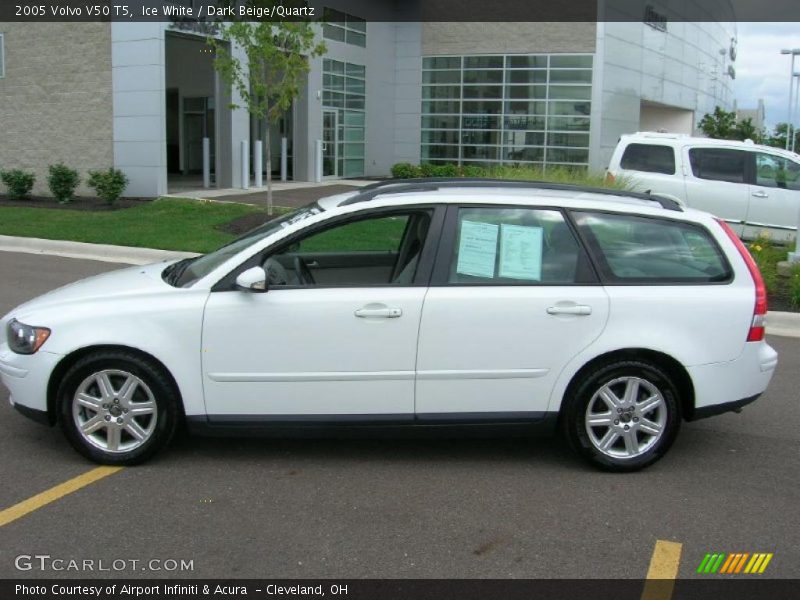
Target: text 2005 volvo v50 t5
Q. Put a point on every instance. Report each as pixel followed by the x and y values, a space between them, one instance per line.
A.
pixel 427 305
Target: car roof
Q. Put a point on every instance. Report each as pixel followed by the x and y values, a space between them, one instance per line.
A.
pixel 475 190
pixel 684 140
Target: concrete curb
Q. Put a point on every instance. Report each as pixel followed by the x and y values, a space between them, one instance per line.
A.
pixel 778 323
pixel 100 252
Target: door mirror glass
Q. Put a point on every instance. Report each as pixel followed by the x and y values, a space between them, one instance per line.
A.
pixel 252 280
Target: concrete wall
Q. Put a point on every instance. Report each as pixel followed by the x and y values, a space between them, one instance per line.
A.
pixel 55 99
pixel 667 119
pixel 507 38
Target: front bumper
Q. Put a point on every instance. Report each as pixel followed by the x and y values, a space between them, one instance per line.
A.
pixel 27 377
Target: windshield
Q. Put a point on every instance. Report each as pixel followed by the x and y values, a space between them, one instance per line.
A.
pixel 186 272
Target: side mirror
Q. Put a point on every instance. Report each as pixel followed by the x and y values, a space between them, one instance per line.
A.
pixel 252 280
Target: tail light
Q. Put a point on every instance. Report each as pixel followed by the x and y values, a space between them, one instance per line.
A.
pixel 756 333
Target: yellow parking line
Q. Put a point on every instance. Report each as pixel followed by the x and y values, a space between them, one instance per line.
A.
pixel 663 570
pixel 39 500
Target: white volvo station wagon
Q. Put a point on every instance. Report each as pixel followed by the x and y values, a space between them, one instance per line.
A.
pixel 428 305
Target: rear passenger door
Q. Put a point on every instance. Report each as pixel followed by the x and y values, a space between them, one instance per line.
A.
pixel 716 182
pixel 774 197
pixel 513 298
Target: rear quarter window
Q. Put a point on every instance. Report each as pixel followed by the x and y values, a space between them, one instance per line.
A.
pixel 633 249
pixel 652 158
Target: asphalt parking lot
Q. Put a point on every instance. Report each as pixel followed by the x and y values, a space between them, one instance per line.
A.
pixel 492 508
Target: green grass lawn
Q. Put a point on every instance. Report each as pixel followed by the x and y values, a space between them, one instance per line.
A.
pixel 168 224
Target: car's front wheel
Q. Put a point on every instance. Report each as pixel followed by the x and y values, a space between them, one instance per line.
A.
pixel 117 408
pixel 623 416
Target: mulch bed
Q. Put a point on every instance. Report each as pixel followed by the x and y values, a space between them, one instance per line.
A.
pixel 245 223
pixel 78 203
pixel 780 300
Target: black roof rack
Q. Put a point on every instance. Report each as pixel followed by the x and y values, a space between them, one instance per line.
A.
pixel 430 184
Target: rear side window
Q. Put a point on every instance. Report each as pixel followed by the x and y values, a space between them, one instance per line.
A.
pixel 631 249
pixel 652 158
pixel 776 171
pixel 516 245
pixel 718 164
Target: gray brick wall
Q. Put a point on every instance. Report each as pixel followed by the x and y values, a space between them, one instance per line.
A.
pixel 511 38
pixel 56 98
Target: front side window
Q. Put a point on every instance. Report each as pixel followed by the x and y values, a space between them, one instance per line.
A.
pixel 379 250
pixel 631 249
pixel 652 158
pixel 512 246
pixel 719 164
pixel 776 171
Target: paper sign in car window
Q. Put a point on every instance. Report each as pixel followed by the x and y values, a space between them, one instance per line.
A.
pixel 521 252
pixel 477 249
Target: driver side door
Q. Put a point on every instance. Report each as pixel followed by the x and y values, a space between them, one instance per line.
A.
pixel 334 338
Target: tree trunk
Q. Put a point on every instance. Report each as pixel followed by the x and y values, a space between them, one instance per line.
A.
pixel 269 169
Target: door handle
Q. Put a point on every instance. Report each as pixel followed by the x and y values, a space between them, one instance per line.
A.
pixel 313 264
pixel 379 313
pixel 570 309
pixel 761 194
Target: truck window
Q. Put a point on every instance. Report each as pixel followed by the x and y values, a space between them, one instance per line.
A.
pixel 651 158
pixel 718 164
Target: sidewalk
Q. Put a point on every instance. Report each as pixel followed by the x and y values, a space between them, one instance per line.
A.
pixel 778 323
pixel 285 193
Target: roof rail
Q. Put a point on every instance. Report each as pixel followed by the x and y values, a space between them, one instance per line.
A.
pixel 431 184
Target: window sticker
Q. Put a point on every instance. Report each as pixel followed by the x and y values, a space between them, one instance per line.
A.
pixel 477 249
pixel 521 252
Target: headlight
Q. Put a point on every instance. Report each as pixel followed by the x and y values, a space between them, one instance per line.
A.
pixel 25 339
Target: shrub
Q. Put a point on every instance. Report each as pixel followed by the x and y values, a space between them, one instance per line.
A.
pixel 62 182
pixel 767 256
pixel 18 182
pixel 404 171
pixel 794 287
pixel 474 171
pixel 108 184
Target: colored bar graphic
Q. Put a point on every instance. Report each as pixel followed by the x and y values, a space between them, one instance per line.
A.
pixel 734 563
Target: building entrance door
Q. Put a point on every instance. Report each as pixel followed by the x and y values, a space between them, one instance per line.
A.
pixel 330 143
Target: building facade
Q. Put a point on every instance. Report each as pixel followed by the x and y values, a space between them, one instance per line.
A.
pixel 143 96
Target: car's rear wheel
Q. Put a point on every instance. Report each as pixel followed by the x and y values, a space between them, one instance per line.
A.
pixel 117 408
pixel 623 416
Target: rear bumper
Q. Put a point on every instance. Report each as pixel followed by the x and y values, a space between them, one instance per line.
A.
pixel 744 379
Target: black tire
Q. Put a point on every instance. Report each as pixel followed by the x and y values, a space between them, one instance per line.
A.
pixel 157 389
pixel 586 440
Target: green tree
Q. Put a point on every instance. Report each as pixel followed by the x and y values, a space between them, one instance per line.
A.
pixel 721 124
pixel 277 60
pixel 746 130
pixel 778 137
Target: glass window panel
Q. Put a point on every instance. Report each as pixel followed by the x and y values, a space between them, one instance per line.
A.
pixel 579 140
pixel 356 39
pixel 483 91
pixel 570 62
pixel 354 134
pixel 567 156
pixel 488 107
pixel 480 122
pixel 441 77
pixel 449 152
pixel 568 124
pixel 333 66
pixel 353 70
pixel 333 99
pixel 483 77
pixel 333 82
pixel 441 62
pixel 354 102
pixel 356 23
pixel 483 62
pixel 522 154
pixel 652 158
pixel 526 92
pixel 526 108
pixel 526 62
pixel 438 122
pixel 523 138
pixel 354 86
pixel 440 137
pixel 441 92
pixel 480 137
pixel 332 32
pixel 527 77
pixel 523 122
pixel 570 76
pixel 719 164
pixel 777 172
pixel 353 167
pixel 441 106
pixel 570 92
pixel 353 119
pixel 479 152
pixel 333 16
pixel 352 150
pixel 570 108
